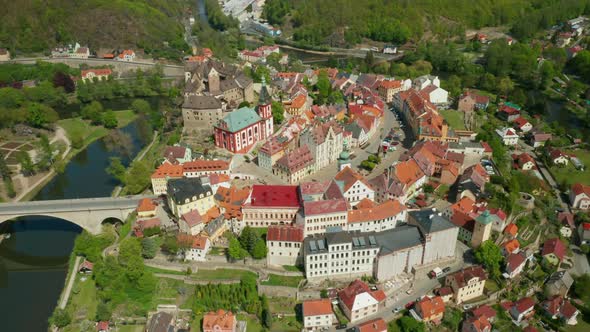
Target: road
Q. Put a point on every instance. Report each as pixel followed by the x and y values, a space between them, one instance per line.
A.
pixel 421 287
pixel 69 205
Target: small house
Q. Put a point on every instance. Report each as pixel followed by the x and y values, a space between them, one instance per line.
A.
pixel 86 267
pixel 559 283
pixel 553 251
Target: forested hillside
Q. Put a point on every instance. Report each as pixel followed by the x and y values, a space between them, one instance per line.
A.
pixel 348 21
pixel 38 25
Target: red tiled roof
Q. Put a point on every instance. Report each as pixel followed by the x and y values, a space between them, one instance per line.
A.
pixel 365 203
pixel 102 326
pixel 199 242
pixel 168 170
pixel 586 226
pixel 444 291
pixel 146 205
pixel 349 177
pixel 431 306
pixel 148 223
pixel 408 172
pixel 530 328
pixel 296 160
pixel 391 84
pixel 521 122
pixel 317 307
pixel 479 323
pixel 324 206
pixel 223 319
pixel 192 218
pixel 274 196
pixel 348 294
pixel 554 246
pixel 514 261
pixel 579 188
pixel 285 233
pixel 567 310
pixel 552 304
pixel 231 199
pixel 463 276
pixel 484 309
pixel 97 72
pixel 87 265
pixel 486 147
pixel 382 211
pixel 511 229
pixel 175 152
pixel 374 325
pixel 509 110
pixel 205 165
pixel 524 304
pixel 511 246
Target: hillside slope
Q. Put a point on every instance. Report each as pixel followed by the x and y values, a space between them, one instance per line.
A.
pixel 37 25
pixel 346 22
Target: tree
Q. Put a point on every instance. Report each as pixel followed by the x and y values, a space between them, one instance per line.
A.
pixel 278 113
pixel 248 239
pixel 93 112
pixel 109 120
pixel 266 314
pixel 260 250
pixel 324 293
pixel 324 87
pixel 61 79
pixel 170 245
pixel 60 318
pixel 103 312
pixel 117 169
pixel 505 85
pixel 26 164
pixel 45 159
pixel 39 115
pixel 235 250
pixel 409 324
pixel 138 177
pixel 452 319
pixel 582 288
pixel 490 255
pixel 149 247
pixel 141 106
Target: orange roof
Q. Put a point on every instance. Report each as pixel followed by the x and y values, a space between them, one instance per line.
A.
pixel 385 210
pixel 375 325
pixel 203 165
pixel 168 170
pixel 199 242
pixel 464 205
pixel 391 84
pixel 126 52
pixel 145 205
pixel 511 229
pixel 231 199
pixel 299 101
pixel 365 203
pixel 317 307
pixel 408 172
pixel 511 246
pixel 350 177
pixel 224 320
pixel 98 72
pixel 431 306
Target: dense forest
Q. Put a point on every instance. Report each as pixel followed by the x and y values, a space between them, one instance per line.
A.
pixel 36 26
pixel 346 22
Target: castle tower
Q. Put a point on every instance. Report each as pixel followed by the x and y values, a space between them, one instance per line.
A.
pixel 265 110
pixel 482 229
pixel 344 158
pixel 213 80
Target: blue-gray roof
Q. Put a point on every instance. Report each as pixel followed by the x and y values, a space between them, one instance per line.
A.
pixel 430 221
pixel 240 119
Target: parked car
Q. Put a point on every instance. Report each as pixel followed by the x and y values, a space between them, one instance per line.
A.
pixel 409 304
pixel 435 273
pixel 396 310
pixel 341 326
pixel 447 269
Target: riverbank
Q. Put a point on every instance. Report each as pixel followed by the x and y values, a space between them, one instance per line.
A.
pixel 75 127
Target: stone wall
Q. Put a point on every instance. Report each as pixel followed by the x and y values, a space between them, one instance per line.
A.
pixel 277 291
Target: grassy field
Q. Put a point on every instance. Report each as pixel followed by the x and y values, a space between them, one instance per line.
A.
pixel 454 118
pixel 277 280
pixel 131 328
pixel 83 302
pixel 77 127
pixel 222 274
pixel 570 174
pixel 583 326
pixel 293 268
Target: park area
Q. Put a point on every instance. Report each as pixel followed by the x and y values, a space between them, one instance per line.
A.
pixel 568 175
pixel 454 119
pixel 81 132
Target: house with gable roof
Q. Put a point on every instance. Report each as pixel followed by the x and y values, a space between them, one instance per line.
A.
pixel 508 136
pixel 358 302
pixel 294 165
pixel 285 245
pixel 430 309
pixel 467 283
pixel 317 314
pixel 354 186
pixel 580 196
pixel 557 307
pixel 325 142
pixel 370 217
pixel 219 321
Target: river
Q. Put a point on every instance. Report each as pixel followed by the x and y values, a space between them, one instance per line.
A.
pixel 33 261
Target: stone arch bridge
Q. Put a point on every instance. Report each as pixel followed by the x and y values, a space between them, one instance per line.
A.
pixel 88 213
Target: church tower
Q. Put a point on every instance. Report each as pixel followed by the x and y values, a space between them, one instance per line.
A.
pixel 265 110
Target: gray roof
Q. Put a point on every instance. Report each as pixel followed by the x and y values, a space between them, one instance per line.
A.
pixel 186 188
pixel 201 103
pixel 561 278
pixel 354 128
pixel 430 221
pixel 463 145
pixel 389 241
pixel 401 237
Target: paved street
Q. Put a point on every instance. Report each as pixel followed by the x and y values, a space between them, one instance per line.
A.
pixel 83 204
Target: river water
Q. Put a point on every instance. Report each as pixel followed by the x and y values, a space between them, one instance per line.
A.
pixel 33 261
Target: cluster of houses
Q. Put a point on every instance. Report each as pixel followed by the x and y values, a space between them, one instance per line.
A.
pixel 260 54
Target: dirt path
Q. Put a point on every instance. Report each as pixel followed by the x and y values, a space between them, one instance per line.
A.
pixel 60 135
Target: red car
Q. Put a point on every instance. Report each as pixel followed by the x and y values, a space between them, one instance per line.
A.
pixel 409 304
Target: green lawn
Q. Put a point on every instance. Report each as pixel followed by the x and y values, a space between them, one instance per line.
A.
pixel 163 271
pixel 491 286
pixel 83 298
pixel 282 305
pixel 130 328
pixel 77 127
pixel 570 174
pixel 454 118
pixel 286 323
pixel 277 280
pixel 221 274
pixel 582 326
